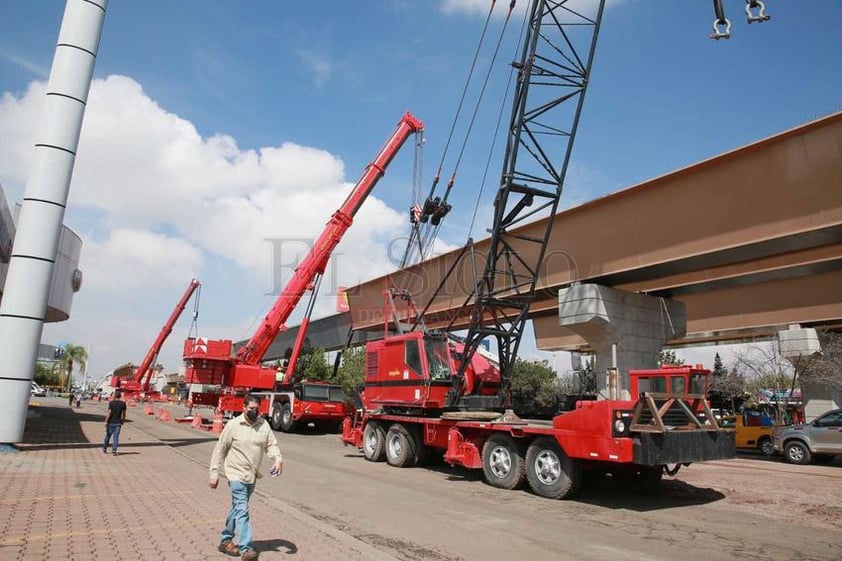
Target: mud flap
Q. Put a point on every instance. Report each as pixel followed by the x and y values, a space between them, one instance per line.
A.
pixel 674 447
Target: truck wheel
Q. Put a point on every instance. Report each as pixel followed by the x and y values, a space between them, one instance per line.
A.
pixel 502 462
pixel 374 442
pixel 766 446
pixel 400 446
pixel 551 473
pixel 796 452
pixel 275 417
pixel 287 424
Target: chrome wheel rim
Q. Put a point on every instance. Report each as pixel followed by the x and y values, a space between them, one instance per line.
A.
pixel 547 467
pixel 500 462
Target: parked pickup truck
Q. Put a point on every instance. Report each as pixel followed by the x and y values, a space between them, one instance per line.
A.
pixel 818 441
pixel 753 431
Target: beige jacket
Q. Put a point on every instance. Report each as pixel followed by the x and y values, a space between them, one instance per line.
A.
pixel 241 447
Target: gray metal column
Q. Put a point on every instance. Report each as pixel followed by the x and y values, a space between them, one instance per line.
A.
pixel 35 248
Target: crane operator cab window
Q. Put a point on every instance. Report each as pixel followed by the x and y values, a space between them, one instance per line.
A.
pixel 437 357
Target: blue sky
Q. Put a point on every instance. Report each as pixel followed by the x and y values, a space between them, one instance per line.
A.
pixel 214 125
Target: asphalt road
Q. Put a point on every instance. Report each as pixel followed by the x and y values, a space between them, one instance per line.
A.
pixel 719 511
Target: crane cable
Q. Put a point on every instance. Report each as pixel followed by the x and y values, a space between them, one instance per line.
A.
pixel 452 179
pixel 418 205
pixel 194 325
pixel 503 104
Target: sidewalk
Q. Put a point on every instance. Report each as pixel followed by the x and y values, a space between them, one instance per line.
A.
pixel 63 499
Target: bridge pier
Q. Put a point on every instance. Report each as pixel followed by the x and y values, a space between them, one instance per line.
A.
pixel 633 327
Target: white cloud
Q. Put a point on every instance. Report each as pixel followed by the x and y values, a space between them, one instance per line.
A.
pixel 134 260
pixel 319 65
pixel 157 203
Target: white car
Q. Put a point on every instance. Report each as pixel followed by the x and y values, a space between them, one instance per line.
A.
pixel 37 391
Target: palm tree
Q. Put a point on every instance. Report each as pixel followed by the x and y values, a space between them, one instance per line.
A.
pixel 73 354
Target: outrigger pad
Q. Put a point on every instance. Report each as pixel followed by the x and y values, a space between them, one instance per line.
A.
pixel 674 447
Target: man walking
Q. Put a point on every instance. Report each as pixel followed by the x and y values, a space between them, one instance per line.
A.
pixel 114 422
pixel 240 448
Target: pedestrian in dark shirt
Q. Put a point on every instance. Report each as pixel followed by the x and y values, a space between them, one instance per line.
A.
pixel 114 422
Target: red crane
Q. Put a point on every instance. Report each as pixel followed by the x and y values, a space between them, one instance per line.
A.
pixel 210 362
pixel 139 383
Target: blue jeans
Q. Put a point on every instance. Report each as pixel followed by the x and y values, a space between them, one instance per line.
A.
pixel 238 521
pixel 112 430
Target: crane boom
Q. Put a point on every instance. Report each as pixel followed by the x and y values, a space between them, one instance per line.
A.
pixel 141 379
pixel 315 262
pixel 553 74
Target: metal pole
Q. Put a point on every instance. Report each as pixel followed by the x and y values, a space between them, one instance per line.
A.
pixel 35 249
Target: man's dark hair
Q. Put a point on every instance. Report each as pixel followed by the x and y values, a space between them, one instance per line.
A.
pixel 250 398
pixel 117 394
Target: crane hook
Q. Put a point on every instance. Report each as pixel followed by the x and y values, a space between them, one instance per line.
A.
pixel 721 24
pixel 761 11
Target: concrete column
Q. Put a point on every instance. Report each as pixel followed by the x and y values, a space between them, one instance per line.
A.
pixel 639 326
pixel 35 249
pixel 798 345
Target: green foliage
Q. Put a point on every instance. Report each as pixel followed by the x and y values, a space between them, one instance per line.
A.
pixel 352 370
pixel 587 377
pixel 533 380
pixel 312 364
pixel 48 374
pixel 73 355
pixel 669 357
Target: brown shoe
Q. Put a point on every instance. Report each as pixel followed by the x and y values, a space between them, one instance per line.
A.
pixel 250 555
pixel 229 548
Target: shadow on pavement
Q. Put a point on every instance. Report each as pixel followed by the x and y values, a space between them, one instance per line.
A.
pixel 275 545
pixel 56 425
pixel 671 493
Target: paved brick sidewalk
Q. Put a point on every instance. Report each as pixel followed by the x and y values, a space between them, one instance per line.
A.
pixel 61 498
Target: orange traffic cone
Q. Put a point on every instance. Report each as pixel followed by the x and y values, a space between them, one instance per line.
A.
pixel 197 422
pixel 148 410
pixel 217 422
pixel 163 414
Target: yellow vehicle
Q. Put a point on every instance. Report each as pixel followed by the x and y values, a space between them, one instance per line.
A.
pixel 753 431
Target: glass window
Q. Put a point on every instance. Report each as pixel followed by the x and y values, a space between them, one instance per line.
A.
pixel 336 393
pixel 677 384
pixel 655 384
pixel 315 392
pixel 413 356
pixel 698 384
pixel 830 420
pixel 437 358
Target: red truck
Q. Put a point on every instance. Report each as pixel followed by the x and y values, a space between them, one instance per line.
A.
pixel 667 423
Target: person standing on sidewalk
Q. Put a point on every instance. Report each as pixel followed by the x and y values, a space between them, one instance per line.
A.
pixel 114 422
pixel 240 449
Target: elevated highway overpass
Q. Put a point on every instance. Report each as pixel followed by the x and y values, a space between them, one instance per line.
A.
pixel 749 241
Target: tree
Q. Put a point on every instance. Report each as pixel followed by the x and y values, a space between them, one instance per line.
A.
pixel 72 355
pixel 351 372
pixel 48 374
pixel 765 370
pixel 669 357
pixel 717 396
pixel 534 386
pixel 826 369
pixel 312 364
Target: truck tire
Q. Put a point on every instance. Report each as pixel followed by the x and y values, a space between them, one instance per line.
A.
pixel 550 472
pixel 400 446
pixel 374 442
pixel 287 424
pixel 502 462
pixel 276 416
pixel 766 446
pixel 796 452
